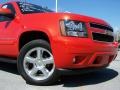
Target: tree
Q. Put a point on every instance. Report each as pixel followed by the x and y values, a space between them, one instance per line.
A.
pixel 117 35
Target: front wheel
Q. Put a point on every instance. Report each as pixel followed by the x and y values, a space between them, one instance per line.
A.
pixel 36 63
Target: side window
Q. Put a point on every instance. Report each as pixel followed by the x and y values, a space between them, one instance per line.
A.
pixel 5 18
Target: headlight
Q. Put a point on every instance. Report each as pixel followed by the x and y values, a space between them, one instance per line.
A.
pixel 73 28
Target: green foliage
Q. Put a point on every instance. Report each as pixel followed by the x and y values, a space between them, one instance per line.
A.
pixel 119 40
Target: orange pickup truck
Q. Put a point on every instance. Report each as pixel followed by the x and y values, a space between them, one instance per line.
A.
pixel 43 42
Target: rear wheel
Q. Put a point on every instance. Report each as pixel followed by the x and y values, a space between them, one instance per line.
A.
pixel 36 63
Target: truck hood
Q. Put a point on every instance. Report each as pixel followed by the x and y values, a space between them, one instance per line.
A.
pixel 54 16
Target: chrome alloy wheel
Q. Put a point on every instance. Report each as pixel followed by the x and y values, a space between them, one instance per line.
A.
pixel 39 63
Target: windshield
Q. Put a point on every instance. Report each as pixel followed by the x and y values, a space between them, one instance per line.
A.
pixel 27 8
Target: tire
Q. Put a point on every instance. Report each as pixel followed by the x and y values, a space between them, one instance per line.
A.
pixel 36 70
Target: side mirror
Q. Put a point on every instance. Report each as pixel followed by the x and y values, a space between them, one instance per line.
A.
pixel 6 12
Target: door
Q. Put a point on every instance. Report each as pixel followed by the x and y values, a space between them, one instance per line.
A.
pixel 8 33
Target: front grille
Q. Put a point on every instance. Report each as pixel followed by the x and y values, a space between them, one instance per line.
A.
pixel 102 37
pixel 103 27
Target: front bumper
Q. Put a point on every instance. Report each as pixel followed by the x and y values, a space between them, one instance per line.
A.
pixel 79 71
pixel 76 53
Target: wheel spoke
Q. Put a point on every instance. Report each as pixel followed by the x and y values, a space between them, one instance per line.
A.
pixel 39 54
pixel 44 71
pixel 48 60
pixel 29 59
pixel 33 71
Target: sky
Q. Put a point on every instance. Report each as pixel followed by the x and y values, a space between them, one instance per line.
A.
pixel 109 10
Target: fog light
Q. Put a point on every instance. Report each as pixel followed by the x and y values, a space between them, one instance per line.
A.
pixel 74 60
pixel 78 59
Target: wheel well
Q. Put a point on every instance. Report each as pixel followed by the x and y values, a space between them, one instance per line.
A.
pixel 32 35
